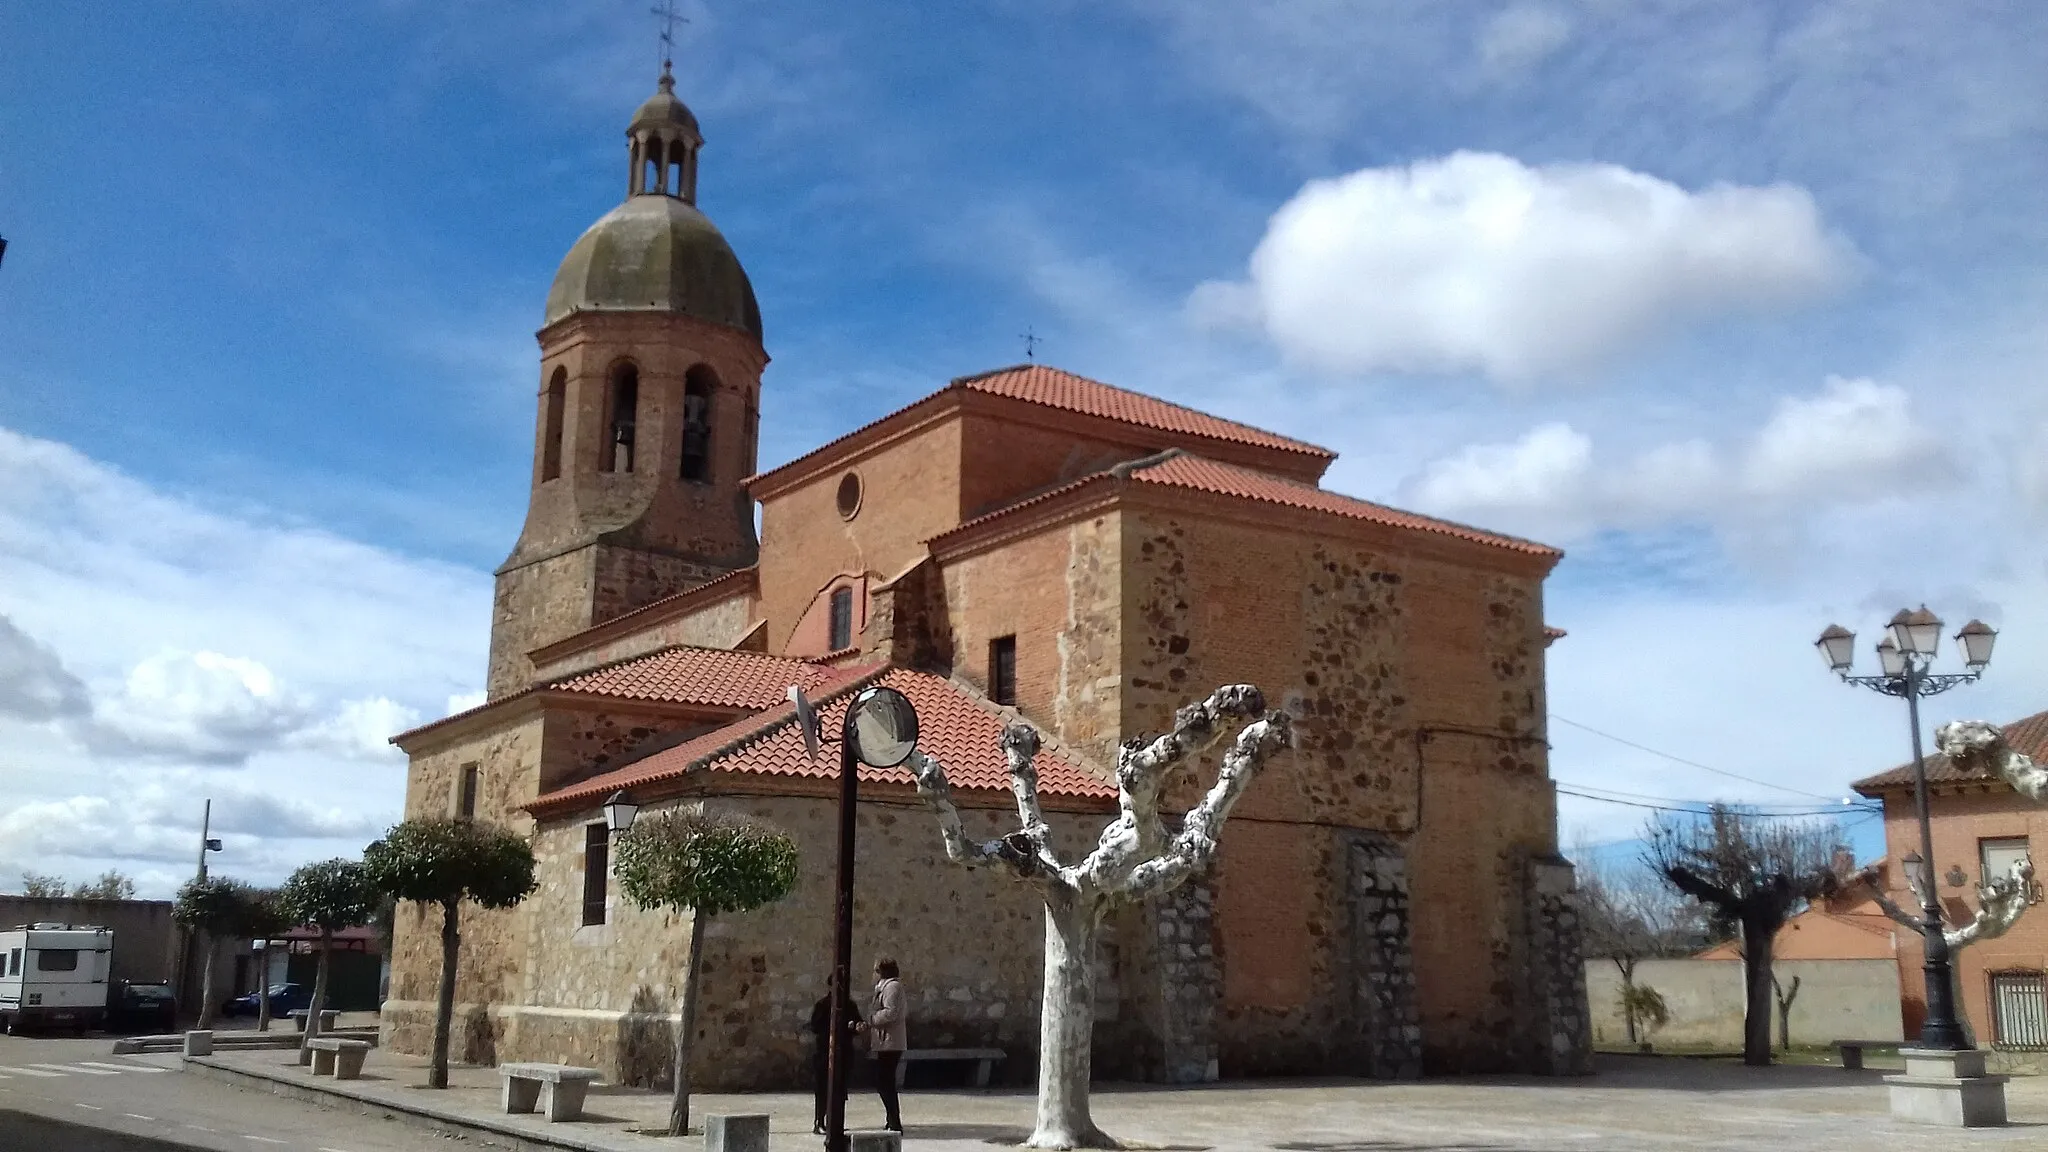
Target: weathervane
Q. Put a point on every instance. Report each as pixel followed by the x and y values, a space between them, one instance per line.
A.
pixel 1031 342
pixel 667 12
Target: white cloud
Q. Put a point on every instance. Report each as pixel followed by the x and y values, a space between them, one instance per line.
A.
pixel 34 684
pixel 464 701
pixel 1521 35
pixel 1477 262
pixel 1856 441
pixel 1857 434
pixel 155 652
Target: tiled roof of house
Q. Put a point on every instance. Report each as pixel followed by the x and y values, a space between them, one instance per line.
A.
pixel 707 677
pixel 2029 735
pixel 956 727
pixel 1174 468
pixel 1054 388
pixel 714 677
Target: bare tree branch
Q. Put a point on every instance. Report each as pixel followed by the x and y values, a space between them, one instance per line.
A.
pixel 1195 846
pixel 1018 851
pixel 1974 744
pixel 2000 901
pixel 1143 768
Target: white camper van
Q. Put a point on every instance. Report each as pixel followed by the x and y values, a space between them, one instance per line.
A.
pixel 53 974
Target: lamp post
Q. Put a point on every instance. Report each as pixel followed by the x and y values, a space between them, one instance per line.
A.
pixel 879 730
pixel 1904 656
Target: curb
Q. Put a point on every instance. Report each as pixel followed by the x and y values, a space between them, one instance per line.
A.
pixel 419 1115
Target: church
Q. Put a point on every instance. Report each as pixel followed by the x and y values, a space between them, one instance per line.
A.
pixel 1021 542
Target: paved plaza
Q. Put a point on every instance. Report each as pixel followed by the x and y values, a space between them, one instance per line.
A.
pixel 1633 1104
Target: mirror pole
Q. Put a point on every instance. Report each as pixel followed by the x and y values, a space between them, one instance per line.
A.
pixel 840 1053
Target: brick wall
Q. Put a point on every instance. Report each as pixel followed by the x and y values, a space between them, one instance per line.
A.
pixel 1961 821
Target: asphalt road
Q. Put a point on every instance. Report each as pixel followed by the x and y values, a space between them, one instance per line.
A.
pixel 68 1095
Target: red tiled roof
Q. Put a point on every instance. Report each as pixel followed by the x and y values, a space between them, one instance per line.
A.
pixel 2028 735
pixel 1042 384
pixel 957 728
pixel 1174 468
pixel 1203 475
pixel 715 677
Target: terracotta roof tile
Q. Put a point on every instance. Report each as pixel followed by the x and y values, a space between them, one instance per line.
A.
pixel 1042 384
pixel 714 677
pixel 955 727
pixel 2029 735
pixel 1203 475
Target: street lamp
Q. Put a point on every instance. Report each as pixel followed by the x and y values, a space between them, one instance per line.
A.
pixel 879 730
pixel 619 811
pixel 1903 658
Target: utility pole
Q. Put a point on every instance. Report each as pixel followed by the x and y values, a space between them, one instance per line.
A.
pixel 205 826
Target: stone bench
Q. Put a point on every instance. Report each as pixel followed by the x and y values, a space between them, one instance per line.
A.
pixel 558 1087
pixel 327 1018
pixel 341 1059
pixel 984 1061
pixel 1850 1052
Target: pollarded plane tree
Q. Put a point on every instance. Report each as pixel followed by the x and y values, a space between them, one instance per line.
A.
pixel 1137 858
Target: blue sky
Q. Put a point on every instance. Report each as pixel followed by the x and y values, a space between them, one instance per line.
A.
pixel 1738 302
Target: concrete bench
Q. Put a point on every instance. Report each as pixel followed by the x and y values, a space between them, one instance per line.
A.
pixel 558 1087
pixel 327 1018
pixel 984 1061
pixel 1851 1051
pixel 341 1059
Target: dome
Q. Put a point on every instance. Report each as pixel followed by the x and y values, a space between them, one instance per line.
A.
pixel 655 254
pixel 663 109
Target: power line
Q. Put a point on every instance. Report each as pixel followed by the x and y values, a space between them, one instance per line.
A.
pixel 1860 806
pixel 1692 810
pixel 1687 763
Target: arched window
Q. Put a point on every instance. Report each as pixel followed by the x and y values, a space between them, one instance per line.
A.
pixel 551 425
pixel 841 620
pixel 698 387
pixel 625 404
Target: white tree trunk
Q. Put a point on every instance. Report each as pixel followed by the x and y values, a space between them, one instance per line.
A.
pixel 1134 860
pixel 1066 1026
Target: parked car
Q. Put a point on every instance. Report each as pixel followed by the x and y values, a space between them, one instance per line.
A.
pixel 283 998
pixel 141 1007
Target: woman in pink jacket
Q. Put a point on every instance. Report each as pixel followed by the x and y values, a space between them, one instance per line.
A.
pixel 888 1035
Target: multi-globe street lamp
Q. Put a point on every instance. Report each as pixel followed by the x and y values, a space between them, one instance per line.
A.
pixel 1904 657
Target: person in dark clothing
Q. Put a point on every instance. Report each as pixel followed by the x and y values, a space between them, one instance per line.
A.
pixel 821 1027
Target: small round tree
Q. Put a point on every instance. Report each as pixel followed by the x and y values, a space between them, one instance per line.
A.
pixel 329 895
pixel 213 908
pixel 706 864
pixel 445 862
pixel 264 919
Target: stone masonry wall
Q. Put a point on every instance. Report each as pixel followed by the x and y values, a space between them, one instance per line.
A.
pixel 1388 1018
pixel 716 625
pixel 1558 1029
pixel 1418 683
pixel 970 943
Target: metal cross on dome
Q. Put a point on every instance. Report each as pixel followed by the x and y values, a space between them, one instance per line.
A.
pixel 667 12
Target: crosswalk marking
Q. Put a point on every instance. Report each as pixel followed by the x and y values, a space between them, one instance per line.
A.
pixel 29 1072
pixel 121 1067
pixel 61 1069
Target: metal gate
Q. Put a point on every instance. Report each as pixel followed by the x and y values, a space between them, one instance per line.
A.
pixel 2019 1009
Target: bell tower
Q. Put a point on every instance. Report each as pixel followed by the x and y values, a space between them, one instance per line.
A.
pixel 648 409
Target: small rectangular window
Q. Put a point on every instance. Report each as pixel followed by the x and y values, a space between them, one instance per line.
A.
pixel 465 795
pixel 1997 857
pixel 14 963
pixel 1002 670
pixel 56 959
pixel 842 620
pixel 597 852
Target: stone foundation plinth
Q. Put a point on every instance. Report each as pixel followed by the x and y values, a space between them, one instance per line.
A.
pixel 1947 1088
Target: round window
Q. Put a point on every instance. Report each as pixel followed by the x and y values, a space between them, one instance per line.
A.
pixel 849 495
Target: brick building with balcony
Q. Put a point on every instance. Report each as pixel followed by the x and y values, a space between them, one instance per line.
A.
pixel 1980 826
